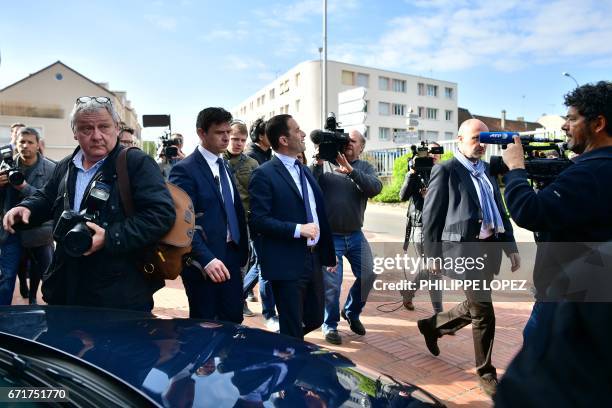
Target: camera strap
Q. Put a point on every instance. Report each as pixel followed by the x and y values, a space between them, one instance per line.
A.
pixel 96 177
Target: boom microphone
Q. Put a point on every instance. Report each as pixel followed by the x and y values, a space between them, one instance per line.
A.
pixel 504 138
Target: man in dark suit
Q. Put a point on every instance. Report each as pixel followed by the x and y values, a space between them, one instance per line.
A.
pixel 464 216
pixel 291 233
pixel 220 244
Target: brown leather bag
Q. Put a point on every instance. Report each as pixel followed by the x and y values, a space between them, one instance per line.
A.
pixel 167 257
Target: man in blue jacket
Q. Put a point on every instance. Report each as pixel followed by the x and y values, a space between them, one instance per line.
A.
pixel 220 244
pixel 290 230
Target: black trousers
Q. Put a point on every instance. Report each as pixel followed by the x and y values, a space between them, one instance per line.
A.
pixel 476 309
pixel 216 301
pixel 300 302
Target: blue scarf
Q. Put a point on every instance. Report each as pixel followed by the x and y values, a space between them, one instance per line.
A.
pixel 490 213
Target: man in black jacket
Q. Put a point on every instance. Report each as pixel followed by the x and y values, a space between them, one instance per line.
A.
pixel 259 149
pixel 414 189
pixel 108 273
pixel 565 359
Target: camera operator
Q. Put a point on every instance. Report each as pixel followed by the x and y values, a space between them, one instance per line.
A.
pixel 37 243
pixel 346 189
pixel 414 189
pixel 98 263
pixel 557 213
pixel 170 152
pixel 565 355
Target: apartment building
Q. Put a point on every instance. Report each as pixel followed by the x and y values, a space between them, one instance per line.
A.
pixel 390 96
pixel 44 100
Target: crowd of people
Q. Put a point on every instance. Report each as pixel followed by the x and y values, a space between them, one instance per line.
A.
pixel 264 217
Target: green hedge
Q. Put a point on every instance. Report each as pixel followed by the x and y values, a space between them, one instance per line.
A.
pixel 390 192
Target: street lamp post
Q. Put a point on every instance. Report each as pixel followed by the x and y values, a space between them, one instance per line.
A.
pixel 567 74
pixel 321 87
pixel 324 59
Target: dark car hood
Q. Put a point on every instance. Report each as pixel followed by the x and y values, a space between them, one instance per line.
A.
pixel 184 362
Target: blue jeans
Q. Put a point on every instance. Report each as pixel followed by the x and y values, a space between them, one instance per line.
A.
pixel 356 249
pixel 10 254
pixel 266 295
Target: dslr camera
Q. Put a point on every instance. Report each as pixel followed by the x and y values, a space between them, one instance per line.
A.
pixel 544 158
pixel 422 162
pixel 331 141
pixel 169 146
pixel 71 230
pixel 7 166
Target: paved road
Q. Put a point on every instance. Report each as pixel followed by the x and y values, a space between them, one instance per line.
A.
pixel 388 222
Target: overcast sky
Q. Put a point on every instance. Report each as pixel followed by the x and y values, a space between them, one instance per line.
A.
pixel 178 57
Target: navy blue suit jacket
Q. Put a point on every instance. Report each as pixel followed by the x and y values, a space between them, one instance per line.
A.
pixel 193 175
pixel 276 208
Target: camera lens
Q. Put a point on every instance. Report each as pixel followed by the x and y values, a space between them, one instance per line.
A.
pixel 16 178
pixel 77 240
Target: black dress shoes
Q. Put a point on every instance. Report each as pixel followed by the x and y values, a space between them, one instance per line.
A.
pixel 431 337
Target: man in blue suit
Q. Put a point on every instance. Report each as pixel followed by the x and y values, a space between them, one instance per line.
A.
pixel 291 233
pixel 220 242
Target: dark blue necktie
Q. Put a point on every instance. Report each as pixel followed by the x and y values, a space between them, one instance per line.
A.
pixel 304 184
pixel 230 211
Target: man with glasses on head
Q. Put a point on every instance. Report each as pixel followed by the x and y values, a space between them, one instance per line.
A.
pixel 107 273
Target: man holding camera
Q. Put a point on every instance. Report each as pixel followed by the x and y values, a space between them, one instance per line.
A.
pixel 463 214
pixel 414 189
pixel 290 229
pixel 84 188
pixel 37 242
pixel 346 189
pixel 170 152
pixel 565 358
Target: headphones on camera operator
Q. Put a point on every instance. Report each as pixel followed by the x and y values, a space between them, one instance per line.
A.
pixel 258 129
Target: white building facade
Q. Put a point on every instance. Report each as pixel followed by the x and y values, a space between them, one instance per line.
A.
pixel 390 96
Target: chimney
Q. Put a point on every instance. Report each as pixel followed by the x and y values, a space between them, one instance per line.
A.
pixel 503 119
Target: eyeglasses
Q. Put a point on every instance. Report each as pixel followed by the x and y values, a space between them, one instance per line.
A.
pixel 99 99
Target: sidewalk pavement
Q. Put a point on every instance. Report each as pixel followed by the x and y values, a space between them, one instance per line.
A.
pixel 393 344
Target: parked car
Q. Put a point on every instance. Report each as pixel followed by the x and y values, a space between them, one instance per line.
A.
pixel 105 357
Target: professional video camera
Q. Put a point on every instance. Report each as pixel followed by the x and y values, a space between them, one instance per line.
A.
pixel 540 169
pixel 71 229
pixel 332 142
pixel 169 146
pixel 422 162
pixel 7 166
